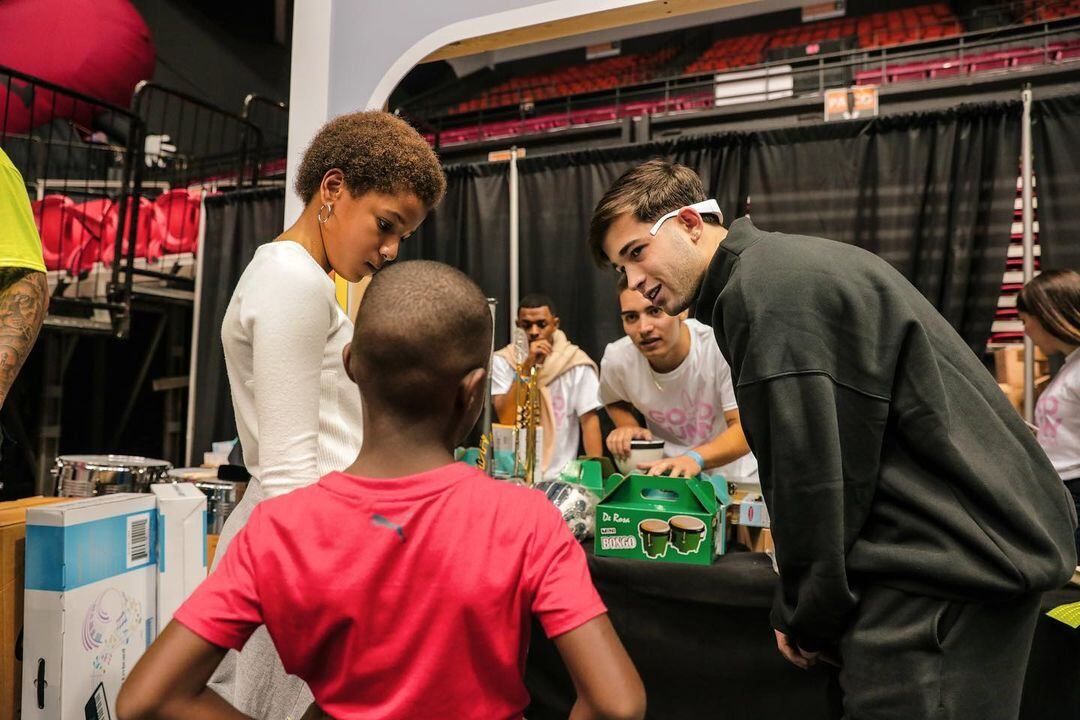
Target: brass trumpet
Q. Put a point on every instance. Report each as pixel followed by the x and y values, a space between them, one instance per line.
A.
pixel 527 415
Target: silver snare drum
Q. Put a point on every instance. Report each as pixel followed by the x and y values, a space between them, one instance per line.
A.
pixel 90 475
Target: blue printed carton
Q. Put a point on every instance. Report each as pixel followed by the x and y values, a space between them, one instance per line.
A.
pixel 90 603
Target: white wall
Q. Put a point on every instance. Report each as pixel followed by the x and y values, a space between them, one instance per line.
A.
pixel 348 55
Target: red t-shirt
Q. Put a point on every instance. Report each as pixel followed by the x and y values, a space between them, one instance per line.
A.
pixel 403 597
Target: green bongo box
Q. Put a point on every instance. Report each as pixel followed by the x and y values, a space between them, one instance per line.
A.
pixel 660 518
pixel 589 473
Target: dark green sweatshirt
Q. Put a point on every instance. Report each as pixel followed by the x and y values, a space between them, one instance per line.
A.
pixel 887 453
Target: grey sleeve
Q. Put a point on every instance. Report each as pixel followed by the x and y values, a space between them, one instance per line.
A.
pixel 818 446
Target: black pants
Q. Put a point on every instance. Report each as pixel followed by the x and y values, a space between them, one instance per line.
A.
pixel 907 657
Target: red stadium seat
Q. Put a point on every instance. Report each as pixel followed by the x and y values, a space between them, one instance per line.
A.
pixel 179 213
pixel 65 242
pixel 147 236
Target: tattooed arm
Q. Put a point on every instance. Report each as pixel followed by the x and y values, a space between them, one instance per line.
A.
pixel 24 296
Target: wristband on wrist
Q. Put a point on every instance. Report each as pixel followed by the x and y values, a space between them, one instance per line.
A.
pixel 696 457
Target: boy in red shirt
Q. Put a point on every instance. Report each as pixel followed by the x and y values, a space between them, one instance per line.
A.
pixel 403 587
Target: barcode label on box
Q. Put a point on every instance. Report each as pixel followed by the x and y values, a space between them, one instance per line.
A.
pixel 138 539
pixel 620 542
pixel 97 708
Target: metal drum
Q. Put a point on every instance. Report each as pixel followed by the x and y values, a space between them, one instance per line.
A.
pixel 89 475
pixel 222 497
pixel 193 474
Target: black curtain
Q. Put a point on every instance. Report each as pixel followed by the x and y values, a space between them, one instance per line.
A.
pixel 471 231
pixel 557 196
pixel 931 193
pixel 1055 127
pixel 236 224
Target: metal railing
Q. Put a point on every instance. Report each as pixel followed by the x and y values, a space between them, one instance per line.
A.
pixel 185 144
pixel 92 169
pixel 192 142
pixel 71 150
pixel 272 118
pixel 804 76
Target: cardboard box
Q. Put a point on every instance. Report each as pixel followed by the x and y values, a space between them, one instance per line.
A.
pixel 749 519
pixel 660 518
pixel 1041 383
pixel 748 508
pixel 181 545
pixel 753 513
pixel 755 539
pixel 211 549
pixel 502 450
pixel 12 566
pixel 91 603
pixel 1009 365
pixel 1015 395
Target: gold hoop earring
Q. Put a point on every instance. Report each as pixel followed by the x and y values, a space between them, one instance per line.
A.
pixel 329 211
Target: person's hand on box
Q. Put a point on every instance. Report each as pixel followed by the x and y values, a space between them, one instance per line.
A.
pixel 618 442
pixel 793 653
pixel 683 466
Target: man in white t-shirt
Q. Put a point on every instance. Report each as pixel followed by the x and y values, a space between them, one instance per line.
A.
pixel 671 370
pixel 568 386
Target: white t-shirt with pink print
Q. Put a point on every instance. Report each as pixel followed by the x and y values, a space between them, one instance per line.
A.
pixel 685 407
pixel 573 394
pixel 1057 415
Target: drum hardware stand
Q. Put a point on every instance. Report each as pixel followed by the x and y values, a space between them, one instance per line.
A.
pixel 175 388
pixel 59 348
pixel 486 460
pixel 140 378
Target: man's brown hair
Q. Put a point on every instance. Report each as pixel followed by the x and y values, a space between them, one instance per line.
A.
pixel 374 151
pixel 648 191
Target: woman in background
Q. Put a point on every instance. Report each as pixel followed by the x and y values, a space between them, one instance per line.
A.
pixel 1049 306
pixel 367 180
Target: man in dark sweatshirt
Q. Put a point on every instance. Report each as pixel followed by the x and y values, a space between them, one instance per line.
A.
pixel 915 518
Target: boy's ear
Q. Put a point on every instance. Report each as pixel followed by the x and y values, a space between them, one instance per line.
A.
pixel 346 357
pixel 473 386
pixel 471 392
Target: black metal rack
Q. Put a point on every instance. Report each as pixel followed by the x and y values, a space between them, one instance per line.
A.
pixel 271 117
pixel 102 180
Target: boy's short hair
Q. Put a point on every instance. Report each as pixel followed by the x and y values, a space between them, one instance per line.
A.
pixel 421 328
pixel 648 191
pixel 536 300
pixel 374 151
